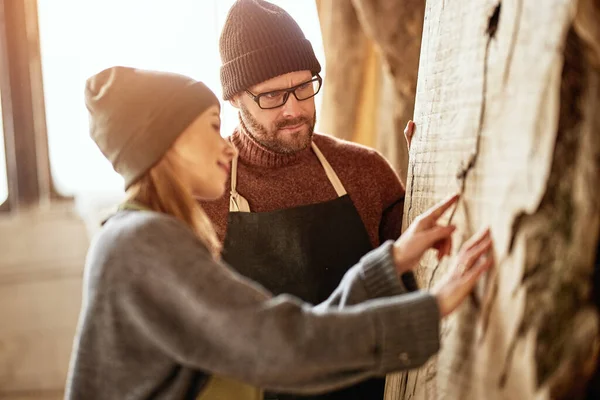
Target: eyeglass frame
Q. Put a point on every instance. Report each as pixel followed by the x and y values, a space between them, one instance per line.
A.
pixel 292 90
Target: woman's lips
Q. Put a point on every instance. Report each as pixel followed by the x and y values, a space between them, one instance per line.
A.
pixel 225 167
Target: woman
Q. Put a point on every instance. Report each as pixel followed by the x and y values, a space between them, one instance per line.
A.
pixel 163 318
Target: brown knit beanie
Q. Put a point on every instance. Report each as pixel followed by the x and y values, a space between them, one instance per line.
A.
pixel 136 115
pixel 261 41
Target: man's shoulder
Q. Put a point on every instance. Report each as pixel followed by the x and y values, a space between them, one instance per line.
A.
pixel 362 163
pixel 349 152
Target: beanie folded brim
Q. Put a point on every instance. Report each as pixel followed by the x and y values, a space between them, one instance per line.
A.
pixel 241 73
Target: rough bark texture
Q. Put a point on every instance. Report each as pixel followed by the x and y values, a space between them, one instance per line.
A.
pixel 507 114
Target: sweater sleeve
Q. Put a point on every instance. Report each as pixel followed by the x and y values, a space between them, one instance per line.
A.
pixel 204 315
pixel 376 277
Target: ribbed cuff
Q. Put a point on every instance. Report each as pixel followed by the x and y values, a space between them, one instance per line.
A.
pixel 379 273
pixel 408 332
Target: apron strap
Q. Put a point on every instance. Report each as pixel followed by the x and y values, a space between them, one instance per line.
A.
pixel 237 203
pixel 333 178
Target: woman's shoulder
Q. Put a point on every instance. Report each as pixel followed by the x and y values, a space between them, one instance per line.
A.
pixel 144 235
pixel 135 248
pixel 143 226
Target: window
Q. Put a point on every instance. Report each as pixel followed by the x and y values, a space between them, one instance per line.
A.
pixel 81 37
pixel 3 180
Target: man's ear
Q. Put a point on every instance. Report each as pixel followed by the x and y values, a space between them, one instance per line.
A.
pixel 235 101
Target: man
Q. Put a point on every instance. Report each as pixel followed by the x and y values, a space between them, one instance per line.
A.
pixel 303 207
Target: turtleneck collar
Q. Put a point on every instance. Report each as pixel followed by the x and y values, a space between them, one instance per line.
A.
pixel 253 153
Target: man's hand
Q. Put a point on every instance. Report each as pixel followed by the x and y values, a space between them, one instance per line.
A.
pixel 409 132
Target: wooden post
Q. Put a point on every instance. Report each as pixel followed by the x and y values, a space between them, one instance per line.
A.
pixel 23 106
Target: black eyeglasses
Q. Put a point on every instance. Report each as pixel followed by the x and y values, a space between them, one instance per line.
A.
pixel 278 98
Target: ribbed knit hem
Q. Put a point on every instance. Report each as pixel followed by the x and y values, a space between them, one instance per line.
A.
pixel 379 273
pixel 408 335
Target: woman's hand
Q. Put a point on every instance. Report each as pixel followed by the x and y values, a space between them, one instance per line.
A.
pixel 424 233
pixel 474 258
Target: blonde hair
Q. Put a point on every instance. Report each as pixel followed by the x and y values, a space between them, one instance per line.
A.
pixel 161 190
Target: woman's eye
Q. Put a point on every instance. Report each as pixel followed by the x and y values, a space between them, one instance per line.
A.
pixel 217 127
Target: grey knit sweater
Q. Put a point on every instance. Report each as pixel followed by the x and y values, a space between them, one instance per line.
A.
pixel 160 315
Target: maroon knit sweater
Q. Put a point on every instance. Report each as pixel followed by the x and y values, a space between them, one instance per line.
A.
pixel 272 181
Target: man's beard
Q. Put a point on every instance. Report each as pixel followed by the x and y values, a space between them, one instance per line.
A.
pixel 273 140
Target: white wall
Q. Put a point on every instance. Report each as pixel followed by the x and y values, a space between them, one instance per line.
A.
pixel 41 264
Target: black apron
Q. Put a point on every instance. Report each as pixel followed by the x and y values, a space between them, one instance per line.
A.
pixel 304 251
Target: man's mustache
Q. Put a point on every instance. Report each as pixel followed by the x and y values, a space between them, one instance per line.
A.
pixel 292 122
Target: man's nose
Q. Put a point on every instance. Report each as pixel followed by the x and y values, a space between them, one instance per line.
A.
pixel 291 108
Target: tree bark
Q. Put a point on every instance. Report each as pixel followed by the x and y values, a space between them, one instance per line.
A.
pixel 507 114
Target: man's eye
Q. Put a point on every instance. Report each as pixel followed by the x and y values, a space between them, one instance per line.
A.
pixel 273 95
